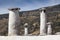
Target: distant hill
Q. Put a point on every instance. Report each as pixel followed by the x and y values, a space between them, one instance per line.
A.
pixel 33 16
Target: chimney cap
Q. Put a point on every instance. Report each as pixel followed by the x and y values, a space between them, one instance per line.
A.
pixel 49 23
pixel 14 9
pixel 42 8
pixel 26 25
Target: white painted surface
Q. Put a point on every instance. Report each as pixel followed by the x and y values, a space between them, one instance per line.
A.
pixel 42 23
pixel 13 22
pixel 48 37
pixel 49 30
pixel 26 31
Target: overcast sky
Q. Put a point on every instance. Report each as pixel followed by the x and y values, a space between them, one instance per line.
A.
pixel 25 4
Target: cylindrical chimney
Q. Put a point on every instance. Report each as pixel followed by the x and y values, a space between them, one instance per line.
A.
pixel 43 22
pixel 14 21
pixel 26 29
pixel 49 29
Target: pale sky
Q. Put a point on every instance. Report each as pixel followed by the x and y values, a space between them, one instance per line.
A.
pixel 25 4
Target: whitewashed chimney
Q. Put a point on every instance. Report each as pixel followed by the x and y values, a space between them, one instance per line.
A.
pixel 43 22
pixel 26 29
pixel 14 21
pixel 49 28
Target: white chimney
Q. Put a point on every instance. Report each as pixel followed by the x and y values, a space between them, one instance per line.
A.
pixel 49 29
pixel 43 22
pixel 26 29
pixel 14 21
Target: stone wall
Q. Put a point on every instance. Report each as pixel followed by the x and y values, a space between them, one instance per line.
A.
pixel 32 17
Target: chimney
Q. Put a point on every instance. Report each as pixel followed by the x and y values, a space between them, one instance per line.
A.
pixel 14 21
pixel 42 22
